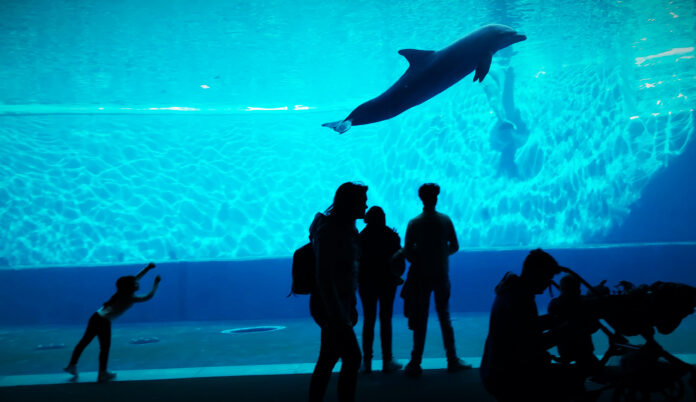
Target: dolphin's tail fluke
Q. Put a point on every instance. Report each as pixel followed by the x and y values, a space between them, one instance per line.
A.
pixel 340 126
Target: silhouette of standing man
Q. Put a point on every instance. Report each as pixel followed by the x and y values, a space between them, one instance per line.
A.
pixel 333 302
pixel 430 240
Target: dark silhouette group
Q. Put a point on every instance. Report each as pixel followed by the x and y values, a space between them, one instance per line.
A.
pixel 347 260
pixel 515 363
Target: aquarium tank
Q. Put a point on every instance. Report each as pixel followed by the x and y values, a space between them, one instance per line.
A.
pixel 190 134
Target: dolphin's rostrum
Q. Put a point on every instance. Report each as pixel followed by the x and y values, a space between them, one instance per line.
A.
pixel 431 72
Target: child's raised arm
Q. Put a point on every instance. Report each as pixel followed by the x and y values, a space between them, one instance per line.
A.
pixel 148 296
pixel 145 270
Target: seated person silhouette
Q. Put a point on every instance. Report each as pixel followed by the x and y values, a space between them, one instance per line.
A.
pixel 576 347
pixel 516 365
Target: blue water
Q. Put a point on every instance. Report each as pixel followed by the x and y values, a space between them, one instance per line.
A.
pixel 189 134
pixel 132 131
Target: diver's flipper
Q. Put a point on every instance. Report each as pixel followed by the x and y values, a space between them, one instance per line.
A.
pixel 508 125
pixel 483 67
pixel 340 126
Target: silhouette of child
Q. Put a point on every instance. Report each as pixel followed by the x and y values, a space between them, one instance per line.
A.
pixel 577 346
pixel 100 322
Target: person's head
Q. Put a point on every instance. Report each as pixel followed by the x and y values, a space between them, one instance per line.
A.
pixel 428 193
pixel 127 285
pixel 538 270
pixel 375 217
pixel 350 201
pixel 570 285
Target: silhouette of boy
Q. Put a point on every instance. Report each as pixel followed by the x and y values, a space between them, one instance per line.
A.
pixel 430 240
pixel 577 345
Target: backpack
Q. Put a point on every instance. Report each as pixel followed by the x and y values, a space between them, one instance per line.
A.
pixel 303 270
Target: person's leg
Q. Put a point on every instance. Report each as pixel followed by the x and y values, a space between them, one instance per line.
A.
pixel 328 356
pixel 442 295
pixel 420 325
pixel 350 364
pixel 369 301
pixel 386 310
pixel 104 336
pixel 89 334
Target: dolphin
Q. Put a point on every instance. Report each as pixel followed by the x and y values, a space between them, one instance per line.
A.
pixel 431 72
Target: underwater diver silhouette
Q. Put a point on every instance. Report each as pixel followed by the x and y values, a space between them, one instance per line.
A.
pixel 431 72
pixel 510 132
pixel 100 323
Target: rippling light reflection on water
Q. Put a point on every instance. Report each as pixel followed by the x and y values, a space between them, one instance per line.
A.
pixel 115 148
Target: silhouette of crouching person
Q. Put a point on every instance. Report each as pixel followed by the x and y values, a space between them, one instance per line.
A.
pixel 333 301
pixel 516 365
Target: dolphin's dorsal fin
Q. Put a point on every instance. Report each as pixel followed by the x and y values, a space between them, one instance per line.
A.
pixel 415 57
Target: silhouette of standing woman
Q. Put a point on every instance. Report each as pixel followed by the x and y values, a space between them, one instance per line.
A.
pixel 332 302
pixel 377 283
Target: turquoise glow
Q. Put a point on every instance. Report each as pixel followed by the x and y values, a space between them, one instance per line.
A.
pixel 170 130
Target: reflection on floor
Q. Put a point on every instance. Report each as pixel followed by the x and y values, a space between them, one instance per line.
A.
pixel 201 349
pixel 199 372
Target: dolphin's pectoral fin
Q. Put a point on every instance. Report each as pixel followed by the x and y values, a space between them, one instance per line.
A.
pixel 415 57
pixel 340 126
pixel 483 67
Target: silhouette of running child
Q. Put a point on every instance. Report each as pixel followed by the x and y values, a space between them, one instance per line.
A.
pixel 99 324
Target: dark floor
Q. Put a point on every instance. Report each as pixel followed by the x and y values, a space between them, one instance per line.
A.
pixel 201 344
pixel 434 385
pixel 202 348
